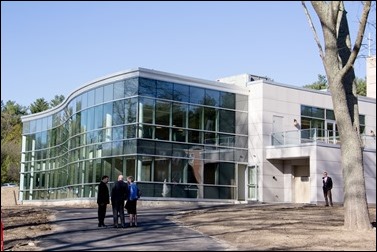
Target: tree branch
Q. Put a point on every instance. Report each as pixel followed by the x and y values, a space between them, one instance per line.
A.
pixel 359 38
pixel 314 30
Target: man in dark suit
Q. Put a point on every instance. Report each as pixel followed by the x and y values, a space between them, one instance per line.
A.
pixel 119 194
pixel 327 186
pixel 102 200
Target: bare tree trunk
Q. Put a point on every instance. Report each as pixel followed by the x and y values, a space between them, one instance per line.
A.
pixel 338 59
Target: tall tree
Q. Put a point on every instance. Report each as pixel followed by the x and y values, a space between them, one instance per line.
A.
pixel 338 59
pixel 39 105
pixel 11 128
pixel 57 100
pixel 321 83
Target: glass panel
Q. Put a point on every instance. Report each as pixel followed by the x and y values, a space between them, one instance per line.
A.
pixel 210 119
pixel 241 102
pixel 227 121
pixel 98 113
pixel 90 121
pixel 147 131
pixel 108 93
pixel 241 123
pixel 162 133
pixel 129 146
pixel 210 138
pixel 212 98
pixel 196 95
pixel 179 112
pixel 362 119
pixel 91 98
pixel 306 110
pixel 145 147
pixel 163 113
pixel 179 135
pixel 330 114
pixel 163 149
pixel 317 112
pixel 145 169
pixel 99 95
pixel 146 110
pixel 147 87
pixel 118 112
pixel 195 117
pixel 164 90
pixel 119 90
pixel 130 87
pixel 161 170
pixel 194 136
pixel 130 110
pixel 117 148
pixel 130 131
pixel 227 100
pixel 226 140
pixel 181 92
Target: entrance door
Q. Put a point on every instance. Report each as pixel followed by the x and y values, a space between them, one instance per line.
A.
pixel 241 182
pixel 252 182
pixel 301 190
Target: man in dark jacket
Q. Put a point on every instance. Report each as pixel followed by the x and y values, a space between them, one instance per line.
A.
pixel 119 194
pixel 327 186
pixel 102 200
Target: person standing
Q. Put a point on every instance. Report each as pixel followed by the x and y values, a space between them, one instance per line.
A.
pixel 119 194
pixel 133 196
pixel 327 186
pixel 102 200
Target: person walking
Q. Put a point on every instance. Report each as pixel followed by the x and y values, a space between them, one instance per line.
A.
pixel 327 186
pixel 133 196
pixel 102 200
pixel 119 194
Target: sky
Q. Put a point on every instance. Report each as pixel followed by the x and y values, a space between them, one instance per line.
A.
pixel 53 48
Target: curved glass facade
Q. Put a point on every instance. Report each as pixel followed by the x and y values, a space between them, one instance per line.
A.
pixel 177 139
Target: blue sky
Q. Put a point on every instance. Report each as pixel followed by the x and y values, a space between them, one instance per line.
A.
pixel 52 48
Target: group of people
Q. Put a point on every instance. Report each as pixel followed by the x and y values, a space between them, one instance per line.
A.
pixel 123 195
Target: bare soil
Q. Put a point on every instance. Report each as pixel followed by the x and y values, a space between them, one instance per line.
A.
pixel 244 227
pixel 281 227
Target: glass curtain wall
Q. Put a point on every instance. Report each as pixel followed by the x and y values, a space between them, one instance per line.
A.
pixel 177 140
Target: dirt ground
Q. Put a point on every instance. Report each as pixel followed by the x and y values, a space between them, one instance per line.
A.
pixel 245 227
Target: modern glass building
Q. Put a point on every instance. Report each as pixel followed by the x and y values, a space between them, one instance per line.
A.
pixel 238 139
pixel 179 137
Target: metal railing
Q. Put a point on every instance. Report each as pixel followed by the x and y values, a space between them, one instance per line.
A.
pixel 296 137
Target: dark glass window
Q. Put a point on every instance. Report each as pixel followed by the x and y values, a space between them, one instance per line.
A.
pixel 227 121
pixel 181 92
pixel 118 112
pixel 179 115
pixel 146 147
pixel 196 95
pixel 330 114
pixel 212 98
pixel 164 90
pixel 163 149
pixel 147 87
pixel 227 100
pixel 195 117
pixel 163 113
pixel 210 119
